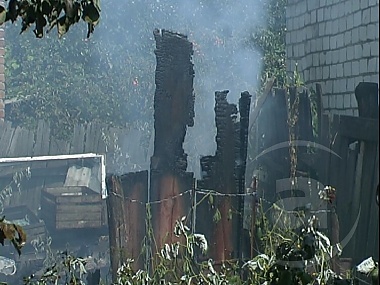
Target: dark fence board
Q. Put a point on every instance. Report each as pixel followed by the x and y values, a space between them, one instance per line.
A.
pixel 41 146
pixel 77 144
pixel 6 140
pixel 17 142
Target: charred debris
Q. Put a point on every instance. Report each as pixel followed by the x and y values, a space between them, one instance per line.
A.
pixel 173 192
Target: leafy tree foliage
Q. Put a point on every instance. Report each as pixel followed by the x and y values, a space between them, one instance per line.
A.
pixel 74 81
pixel 110 78
pixel 60 13
pixel 13 233
pixel 270 40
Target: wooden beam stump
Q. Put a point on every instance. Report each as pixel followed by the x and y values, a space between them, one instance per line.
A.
pixel 225 173
pixel 173 113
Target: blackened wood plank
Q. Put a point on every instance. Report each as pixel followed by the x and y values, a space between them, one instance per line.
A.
pixel 357 128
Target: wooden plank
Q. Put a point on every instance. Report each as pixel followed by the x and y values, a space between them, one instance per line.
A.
pixel 104 213
pixel 3 126
pixel 15 148
pixel 77 224
pixel 114 139
pixel 42 141
pixel 90 139
pixel 348 209
pixel 90 208
pixel 116 223
pixel 101 144
pixel 41 146
pixel 70 216
pixel 323 161
pixel 6 140
pixel 35 230
pixel 373 233
pixel 77 144
pixel 47 205
pixel 320 109
pixel 135 187
pixel 79 216
pixel 96 133
pixel 366 199
pixel 304 120
pixel 260 102
pixel 337 178
pixel 363 129
pixel 79 199
pixel 58 147
pixel 78 190
pixel 8 171
pixel 367 97
pixel 30 143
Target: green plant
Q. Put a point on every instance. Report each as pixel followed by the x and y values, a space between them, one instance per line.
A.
pixel 176 264
pixel 15 183
pixel 287 256
pixel 270 41
pixel 67 269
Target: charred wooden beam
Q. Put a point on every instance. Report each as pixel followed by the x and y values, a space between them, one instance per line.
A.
pixel 173 113
pixel 367 96
pixel 225 173
pixel 244 108
pixel 359 128
pixel 272 129
pixel 173 100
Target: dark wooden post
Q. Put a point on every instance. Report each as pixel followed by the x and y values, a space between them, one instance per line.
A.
pixel 367 95
pixel 225 173
pixel 115 208
pixel 244 111
pixel 218 175
pixel 126 218
pixel 135 192
pixel 173 113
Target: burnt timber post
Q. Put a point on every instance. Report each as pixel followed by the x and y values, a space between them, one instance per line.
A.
pixel 173 113
pixel 244 110
pixel 126 218
pixel 224 172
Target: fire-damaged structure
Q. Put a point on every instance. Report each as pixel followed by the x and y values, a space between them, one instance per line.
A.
pixel 139 210
pixel 173 113
pixel 225 173
pixel 173 193
pixel 294 145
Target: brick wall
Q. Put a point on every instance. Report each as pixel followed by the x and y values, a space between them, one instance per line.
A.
pixel 335 43
pixel 2 78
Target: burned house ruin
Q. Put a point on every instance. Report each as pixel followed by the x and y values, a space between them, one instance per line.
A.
pixel 173 192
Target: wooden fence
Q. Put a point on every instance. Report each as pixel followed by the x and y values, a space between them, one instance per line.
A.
pixel 345 156
pixel 355 173
pixel 123 148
